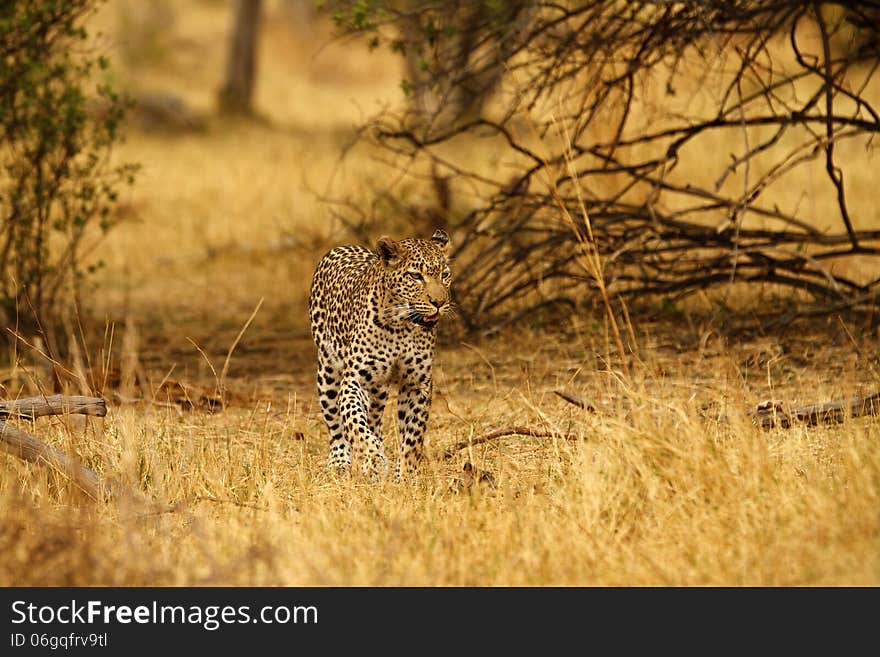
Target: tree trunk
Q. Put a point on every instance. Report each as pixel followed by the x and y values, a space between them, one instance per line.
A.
pixel 236 93
pixel 451 81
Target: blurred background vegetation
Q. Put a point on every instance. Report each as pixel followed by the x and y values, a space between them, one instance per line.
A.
pixel 714 156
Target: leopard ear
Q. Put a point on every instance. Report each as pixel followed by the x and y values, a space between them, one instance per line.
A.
pixel 441 238
pixel 388 250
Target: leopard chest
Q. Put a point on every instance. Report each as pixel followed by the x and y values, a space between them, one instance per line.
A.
pixel 385 355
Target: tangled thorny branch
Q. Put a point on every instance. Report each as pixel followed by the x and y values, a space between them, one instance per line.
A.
pixel 695 144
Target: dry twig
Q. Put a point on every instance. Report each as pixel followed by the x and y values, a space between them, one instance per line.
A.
pixel 577 401
pixel 450 451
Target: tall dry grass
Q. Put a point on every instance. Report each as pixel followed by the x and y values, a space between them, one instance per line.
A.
pixel 669 483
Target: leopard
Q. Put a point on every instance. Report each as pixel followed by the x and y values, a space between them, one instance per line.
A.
pixel 373 317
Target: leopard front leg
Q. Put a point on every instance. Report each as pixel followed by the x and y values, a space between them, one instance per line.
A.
pixel 413 407
pixel 369 448
pixel 329 383
pixel 378 401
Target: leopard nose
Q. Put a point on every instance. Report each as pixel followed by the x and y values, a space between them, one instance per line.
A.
pixel 437 303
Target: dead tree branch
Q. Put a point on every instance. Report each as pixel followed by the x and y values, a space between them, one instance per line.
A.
pixel 30 408
pixel 452 450
pixel 21 444
pixel 773 414
pixel 655 181
pixel 577 401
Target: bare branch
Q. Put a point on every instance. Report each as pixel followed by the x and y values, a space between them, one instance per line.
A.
pixel 581 130
pixel 23 445
pixel 30 408
pixel 453 449
pixel 773 414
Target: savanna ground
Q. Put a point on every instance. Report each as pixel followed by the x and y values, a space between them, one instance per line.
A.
pixel 668 483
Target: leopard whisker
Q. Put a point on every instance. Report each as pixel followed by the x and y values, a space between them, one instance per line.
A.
pixel 396 312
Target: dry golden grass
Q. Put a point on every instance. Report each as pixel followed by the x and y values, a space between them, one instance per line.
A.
pixel 670 483
pixel 657 492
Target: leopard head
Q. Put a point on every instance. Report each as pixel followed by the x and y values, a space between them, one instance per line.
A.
pixel 416 279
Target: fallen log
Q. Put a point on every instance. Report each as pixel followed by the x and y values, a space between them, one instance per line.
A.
pixel 33 450
pixel 31 408
pixel 773 414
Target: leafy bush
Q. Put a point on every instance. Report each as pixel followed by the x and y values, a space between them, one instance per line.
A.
pixel 57 128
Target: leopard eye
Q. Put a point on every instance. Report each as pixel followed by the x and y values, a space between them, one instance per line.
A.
pixel 417 275
pixel 446 275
